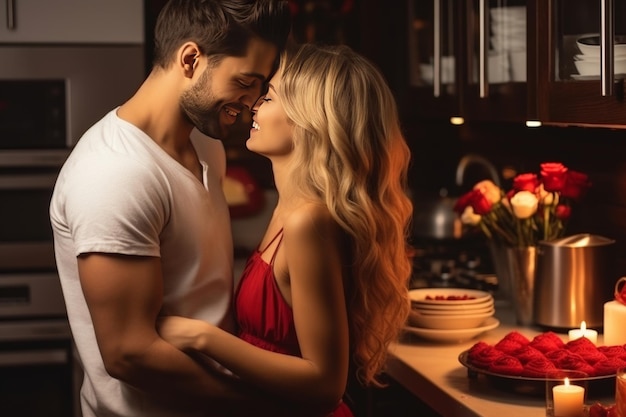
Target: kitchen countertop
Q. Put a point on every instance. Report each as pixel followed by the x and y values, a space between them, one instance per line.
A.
pixel 433 373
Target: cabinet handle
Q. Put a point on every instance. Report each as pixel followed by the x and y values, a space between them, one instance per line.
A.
pixel 437 48
pixel 27 358
pixel 483 73
pixel 11 14
pixel 607 43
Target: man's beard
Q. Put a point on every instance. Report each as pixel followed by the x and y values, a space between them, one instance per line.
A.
pixel 201 109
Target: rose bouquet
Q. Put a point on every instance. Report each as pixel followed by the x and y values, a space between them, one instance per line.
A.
pixel 536 208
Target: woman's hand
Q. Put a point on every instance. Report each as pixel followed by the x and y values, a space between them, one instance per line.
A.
pixel 184 333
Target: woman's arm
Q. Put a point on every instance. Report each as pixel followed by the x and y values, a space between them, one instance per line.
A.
pixel 312 257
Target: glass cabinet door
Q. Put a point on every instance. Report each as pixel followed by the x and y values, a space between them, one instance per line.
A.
pixel 433 57
pixel 495 59
pixel 579 28
pixel 581 62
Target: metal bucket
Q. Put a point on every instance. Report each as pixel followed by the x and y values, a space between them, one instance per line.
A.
pixel 575 276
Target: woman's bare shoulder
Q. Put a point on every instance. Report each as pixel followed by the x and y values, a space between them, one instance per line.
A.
pixel 308 220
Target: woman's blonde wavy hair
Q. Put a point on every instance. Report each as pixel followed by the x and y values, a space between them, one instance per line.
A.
pixel 350 153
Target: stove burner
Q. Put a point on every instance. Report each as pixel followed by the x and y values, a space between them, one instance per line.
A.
pixel 443 266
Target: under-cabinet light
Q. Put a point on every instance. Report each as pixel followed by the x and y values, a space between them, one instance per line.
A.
pixel 457 120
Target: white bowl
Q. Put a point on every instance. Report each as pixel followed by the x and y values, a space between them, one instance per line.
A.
pixel 508 31
pixel 590 45
pixel 448 296
pixel 448 322
pixel 508 14
pixel 500 43
pixel 452 336
pixel 434 308
pixel 465 309
pixel 594 58
pixel 592 67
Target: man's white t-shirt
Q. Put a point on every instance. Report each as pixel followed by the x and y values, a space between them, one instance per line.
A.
pixel 119 192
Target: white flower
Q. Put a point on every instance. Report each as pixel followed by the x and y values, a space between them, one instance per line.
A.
pixel 524 204
pixel 469 217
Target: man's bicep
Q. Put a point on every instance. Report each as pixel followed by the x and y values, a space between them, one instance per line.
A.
pixel 124 295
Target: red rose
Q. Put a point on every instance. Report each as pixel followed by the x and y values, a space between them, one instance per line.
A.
pixel 476 199
pixel 462 202
pixel 480 203
pixel 553 176
pixel 576 184
pixel 526 182
pixel 563 212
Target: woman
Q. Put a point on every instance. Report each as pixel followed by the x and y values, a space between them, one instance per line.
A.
pixel 327 287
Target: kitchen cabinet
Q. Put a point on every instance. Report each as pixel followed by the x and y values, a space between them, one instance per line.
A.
pixel 562 94
pixel 72 21
pixel 467 59
pixel 515 61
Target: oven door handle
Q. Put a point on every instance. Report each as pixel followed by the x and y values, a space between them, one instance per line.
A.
pixel 38 357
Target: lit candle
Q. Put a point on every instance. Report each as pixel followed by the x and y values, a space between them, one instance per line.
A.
pixel 568 400
pixel 583 331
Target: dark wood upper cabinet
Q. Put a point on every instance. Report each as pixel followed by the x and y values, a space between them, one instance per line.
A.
pixel 516 61
pixel 467 59
pixel 563 92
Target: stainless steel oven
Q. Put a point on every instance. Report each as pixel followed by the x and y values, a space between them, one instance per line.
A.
pixel 49 96
pixel 38 373
pixel 25 233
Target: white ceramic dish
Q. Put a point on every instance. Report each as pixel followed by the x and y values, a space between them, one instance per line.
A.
pixel 509 31
pixel 579 77
pixel 585 67
pixel 594 58
pixel 449 322
pixel 453 308
pixel 442 296
pixel 465 309
pixel 452 336
pixel 508 14
pixel 590 45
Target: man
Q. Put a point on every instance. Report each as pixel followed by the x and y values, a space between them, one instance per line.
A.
pixel 140 223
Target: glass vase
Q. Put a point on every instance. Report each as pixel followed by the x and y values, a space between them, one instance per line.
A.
pixel 515 270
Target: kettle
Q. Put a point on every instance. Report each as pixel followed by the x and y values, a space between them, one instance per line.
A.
pixel 574 277
pixel 435 217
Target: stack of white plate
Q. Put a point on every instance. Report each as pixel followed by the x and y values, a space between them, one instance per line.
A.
pixel 507 59
pixel 450 314
pixel 588 61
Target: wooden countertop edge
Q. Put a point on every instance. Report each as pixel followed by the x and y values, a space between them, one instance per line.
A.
pixel 431 394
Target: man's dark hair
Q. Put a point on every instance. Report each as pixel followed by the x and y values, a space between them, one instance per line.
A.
pixel 219 27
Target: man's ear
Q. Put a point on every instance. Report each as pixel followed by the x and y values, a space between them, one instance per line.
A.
pixel 188 60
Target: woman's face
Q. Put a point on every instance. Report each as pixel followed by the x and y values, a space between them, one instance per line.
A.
pixel 271 133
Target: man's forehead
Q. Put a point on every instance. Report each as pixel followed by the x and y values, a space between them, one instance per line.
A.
pixel 258 62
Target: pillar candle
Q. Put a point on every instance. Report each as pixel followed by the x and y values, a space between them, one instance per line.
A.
pixel 568 400
pixel 614 320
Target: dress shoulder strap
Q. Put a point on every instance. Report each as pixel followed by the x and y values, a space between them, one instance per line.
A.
pixel 278 234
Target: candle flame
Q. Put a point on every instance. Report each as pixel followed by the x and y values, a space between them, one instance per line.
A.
pixel 566 381
pixel 583 326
